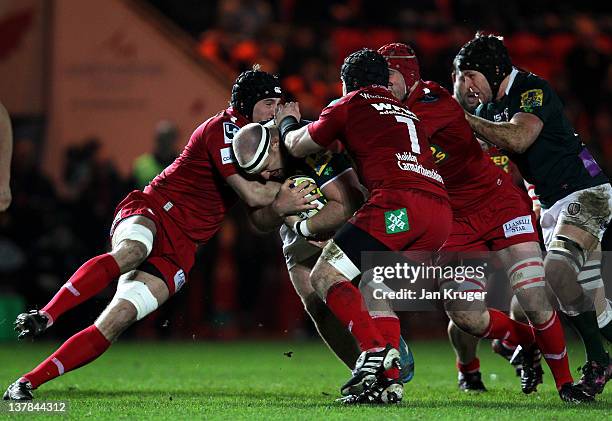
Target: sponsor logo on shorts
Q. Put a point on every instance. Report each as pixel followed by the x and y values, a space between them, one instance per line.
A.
pixel 396 221
pixel 179 280
pixel 226 156
pixel 520 225
pixel 229 131
pixel 573 208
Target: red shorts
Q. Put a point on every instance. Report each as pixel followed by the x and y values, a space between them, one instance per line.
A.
pixel 173 253
pixel 503 221
pixel 405 220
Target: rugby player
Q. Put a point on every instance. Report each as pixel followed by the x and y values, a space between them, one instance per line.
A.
pixel 156 231
pixel 465 345
pixel 520 113
pixel 489 214
pixel 395 164
pixel 258 152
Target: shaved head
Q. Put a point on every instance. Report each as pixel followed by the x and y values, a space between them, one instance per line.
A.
pixel 256 149
pixel 246 142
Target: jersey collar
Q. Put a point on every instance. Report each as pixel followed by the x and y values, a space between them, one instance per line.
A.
pixel 236 116
pixel 511 80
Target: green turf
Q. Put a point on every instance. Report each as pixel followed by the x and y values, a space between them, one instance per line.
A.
pixel 253 380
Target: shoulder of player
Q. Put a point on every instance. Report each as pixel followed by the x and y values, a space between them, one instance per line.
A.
pixel 526 81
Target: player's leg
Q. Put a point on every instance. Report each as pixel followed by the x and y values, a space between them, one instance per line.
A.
pixel 388 324
pixel 331 278
pixel 525 269
pixel 336 336
pixel 138 294
pixel 567 255
pixel 132 242
pixel 468 364
pixel 504 348
pixel 591 281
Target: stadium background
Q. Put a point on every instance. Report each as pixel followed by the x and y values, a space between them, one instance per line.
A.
pixel 87 82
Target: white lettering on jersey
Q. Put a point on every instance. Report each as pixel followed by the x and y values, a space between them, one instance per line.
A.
pixel 226 156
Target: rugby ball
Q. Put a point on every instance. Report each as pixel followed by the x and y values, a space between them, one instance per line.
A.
pixel 320 202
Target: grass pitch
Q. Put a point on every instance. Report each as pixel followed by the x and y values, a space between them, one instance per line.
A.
pixel 257 380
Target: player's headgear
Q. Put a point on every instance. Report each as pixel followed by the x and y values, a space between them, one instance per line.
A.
pixel 401 57
pixel 488 55
pixel 252 86
pixel 363 68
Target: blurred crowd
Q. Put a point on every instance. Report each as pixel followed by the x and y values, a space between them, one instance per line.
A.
pixel 45 235
pixel 568 43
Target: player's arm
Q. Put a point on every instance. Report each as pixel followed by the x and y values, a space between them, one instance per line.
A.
pixel 296 138
pixel 6 151
pixel 515 135
pixel 288 200
pixel 254 193
pixel 344 196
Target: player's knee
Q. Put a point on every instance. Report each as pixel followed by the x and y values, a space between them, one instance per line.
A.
pixel 132 244
pixel 118 316
pixel 472 322
pixel 130 254
pixel 539 317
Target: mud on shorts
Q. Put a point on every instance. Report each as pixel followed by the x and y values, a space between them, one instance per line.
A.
pixel 589 209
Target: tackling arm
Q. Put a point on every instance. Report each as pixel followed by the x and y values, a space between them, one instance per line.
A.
pixel 515 135
pixel 344 197
pixel 254 193
pixel 299 143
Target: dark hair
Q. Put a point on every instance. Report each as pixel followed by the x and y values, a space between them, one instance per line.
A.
pixel 364 67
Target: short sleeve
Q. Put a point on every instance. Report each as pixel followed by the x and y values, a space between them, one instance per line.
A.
pixel 219 147
pixel 330 125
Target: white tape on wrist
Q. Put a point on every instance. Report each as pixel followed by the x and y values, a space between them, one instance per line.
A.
pixel 301 228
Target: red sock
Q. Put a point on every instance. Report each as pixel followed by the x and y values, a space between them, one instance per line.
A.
pixel 471 367
pixel 551 341
pixel 87 281
pixel 503 327
pixel 346 302
pixel 389 328
pixel 80 349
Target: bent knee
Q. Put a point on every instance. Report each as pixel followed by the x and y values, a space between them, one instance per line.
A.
pixel 118 316
pixel 129 254
pixel 472 322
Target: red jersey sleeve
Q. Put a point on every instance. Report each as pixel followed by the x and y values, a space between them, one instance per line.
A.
pixel 220 148
pixel 330 125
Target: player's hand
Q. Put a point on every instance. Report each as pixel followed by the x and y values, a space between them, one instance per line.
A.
pixel 285 110
pixel 291 200
pixel 5 197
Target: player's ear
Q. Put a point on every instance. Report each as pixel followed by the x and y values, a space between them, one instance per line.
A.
pixel 274 138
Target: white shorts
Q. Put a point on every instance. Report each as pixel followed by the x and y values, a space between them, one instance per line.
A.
pixel 589 209
pixel 295 248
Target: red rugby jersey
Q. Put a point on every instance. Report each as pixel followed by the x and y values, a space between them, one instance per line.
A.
pixel 193 187
pixel 469 174
pixel 383 137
